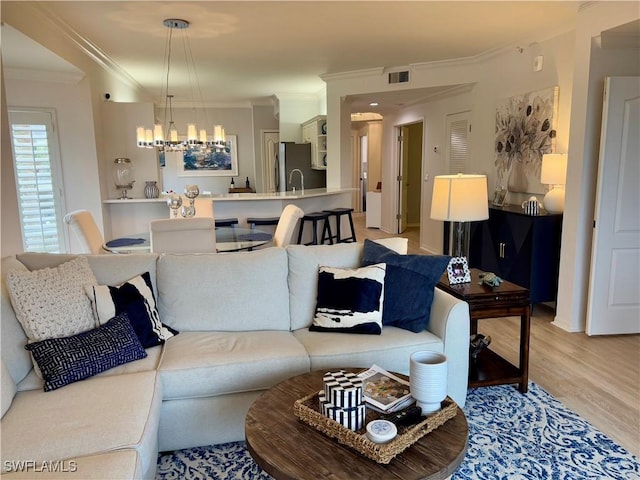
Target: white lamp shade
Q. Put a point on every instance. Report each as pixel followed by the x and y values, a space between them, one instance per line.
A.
pixel 554 169
pixel 460 198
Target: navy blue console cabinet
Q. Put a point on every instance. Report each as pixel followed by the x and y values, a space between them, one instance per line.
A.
pixel 522 249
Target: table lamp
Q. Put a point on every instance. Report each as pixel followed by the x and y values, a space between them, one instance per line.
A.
pixel 554 173
pixel 460 199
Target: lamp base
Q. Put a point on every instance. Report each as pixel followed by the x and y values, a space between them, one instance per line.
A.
pixel 554 200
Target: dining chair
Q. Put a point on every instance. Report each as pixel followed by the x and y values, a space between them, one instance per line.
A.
pixel 86 231
pixel 287 225
pixel 183 235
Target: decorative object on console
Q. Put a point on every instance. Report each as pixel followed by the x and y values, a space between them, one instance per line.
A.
pixel 490 279
pixel 191 191
pixel 460 199
pixel 525 130
pixel 69 359
pixel 409 284
pixel 166 137
pixel 554 173
pixel 350 300
pixel 458 271
pixel 531 206
pixel 123 176
pixel 174 202
pixel 499 196
pixel 151 189
pixel 428 380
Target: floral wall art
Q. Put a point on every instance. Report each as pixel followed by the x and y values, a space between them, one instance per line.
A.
pixel 525 130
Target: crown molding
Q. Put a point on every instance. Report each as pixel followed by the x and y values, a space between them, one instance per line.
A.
pixel 85 45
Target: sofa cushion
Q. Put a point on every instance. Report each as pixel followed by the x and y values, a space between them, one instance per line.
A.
pixel 108 269
pixel 304 262
pixel 120 464
pixel 198 364
pixel 242 291
pixel 135 298
pixel 101 414
pixel 69 359
pixel 51 302
pixel 410 281
pixel 390 350
pixel 350 300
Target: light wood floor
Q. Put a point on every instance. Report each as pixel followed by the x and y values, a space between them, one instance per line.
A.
pixel 596 377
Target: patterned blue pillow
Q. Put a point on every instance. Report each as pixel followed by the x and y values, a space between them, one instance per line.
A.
pixel 68 359
pixel 409 285
pixel 349 300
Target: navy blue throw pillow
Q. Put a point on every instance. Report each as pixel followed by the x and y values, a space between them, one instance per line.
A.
pixel 408 285
pixel 69 359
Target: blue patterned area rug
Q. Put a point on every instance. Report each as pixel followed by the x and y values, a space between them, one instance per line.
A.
pixel 511 436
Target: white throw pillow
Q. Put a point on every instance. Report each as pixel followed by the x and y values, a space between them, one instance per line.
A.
pixel 51 302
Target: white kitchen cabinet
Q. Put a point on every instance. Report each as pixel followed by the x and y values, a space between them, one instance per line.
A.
pixel 314 131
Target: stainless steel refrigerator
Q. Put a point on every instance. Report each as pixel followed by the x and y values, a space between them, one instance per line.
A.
pixel 297 155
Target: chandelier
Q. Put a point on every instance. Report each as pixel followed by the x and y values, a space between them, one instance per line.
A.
pixel 165 137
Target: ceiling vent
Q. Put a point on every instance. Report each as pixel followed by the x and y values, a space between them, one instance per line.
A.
pixel 399 77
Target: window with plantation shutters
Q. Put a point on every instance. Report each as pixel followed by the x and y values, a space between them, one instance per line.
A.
pixel 36 167
pixel 458 134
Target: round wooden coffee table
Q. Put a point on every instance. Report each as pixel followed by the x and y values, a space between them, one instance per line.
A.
pixel 287 448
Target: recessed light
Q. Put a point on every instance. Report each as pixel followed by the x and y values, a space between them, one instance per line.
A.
pixel 374 104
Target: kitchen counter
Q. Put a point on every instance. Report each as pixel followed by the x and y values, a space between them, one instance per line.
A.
pixel 134 215
pixel 217 197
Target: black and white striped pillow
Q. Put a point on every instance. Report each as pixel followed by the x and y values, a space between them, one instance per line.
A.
pixel 350 300
pixel 135 298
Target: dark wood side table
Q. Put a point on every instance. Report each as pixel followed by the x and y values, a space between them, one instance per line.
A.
pixel 485 302
pixel 289 449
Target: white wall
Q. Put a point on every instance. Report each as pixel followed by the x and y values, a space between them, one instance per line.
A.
pixel 76 137
pixel 11 241
pixel 293 111
pixel 591 65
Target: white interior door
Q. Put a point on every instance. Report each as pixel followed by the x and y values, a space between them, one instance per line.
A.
pixel 614 286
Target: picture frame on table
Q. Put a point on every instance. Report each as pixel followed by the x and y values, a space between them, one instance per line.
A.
pixel 212 162
pixel 458 271
pixel 499 197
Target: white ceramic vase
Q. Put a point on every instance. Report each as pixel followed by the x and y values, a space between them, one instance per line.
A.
pixel 428 380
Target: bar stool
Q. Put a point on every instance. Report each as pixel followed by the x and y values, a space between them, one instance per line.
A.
pixel 262 221
pixel 338 213
pixel 316 218
pixel 226 222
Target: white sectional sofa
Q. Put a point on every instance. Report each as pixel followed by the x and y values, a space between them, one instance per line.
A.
pixel 243 323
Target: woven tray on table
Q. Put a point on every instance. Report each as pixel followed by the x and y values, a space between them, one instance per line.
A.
pixel 307 410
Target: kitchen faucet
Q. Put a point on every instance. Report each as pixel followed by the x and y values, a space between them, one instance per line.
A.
pixel 301 178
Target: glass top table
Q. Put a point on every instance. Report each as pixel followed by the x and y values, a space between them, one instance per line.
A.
pixel 228 239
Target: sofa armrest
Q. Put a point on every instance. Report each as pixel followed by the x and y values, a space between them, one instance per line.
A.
pixel 450 321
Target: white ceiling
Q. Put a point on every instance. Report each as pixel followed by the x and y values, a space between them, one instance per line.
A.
pixel 250 50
